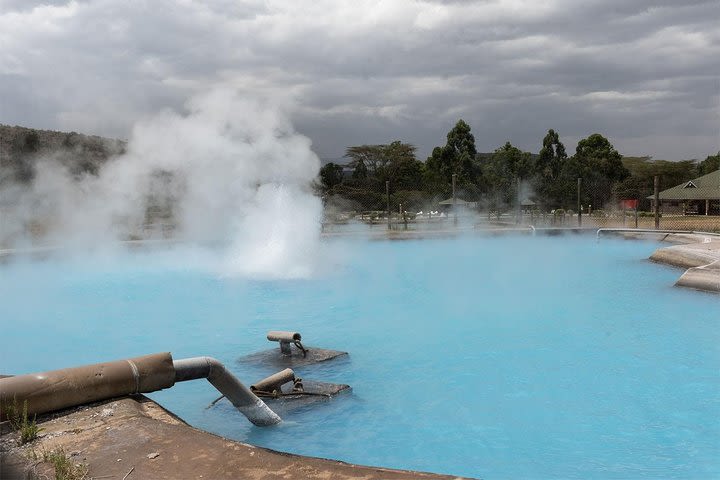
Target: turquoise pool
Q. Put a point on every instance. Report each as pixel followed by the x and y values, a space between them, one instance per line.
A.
pixel 488 357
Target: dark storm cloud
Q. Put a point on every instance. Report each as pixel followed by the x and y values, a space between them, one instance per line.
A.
pixel 643 73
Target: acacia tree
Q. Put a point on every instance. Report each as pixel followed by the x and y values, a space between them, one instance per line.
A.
pixel 364 160
pixel 374 164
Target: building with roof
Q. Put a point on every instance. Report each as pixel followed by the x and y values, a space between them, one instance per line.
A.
pixel 447 204
pixel 700 196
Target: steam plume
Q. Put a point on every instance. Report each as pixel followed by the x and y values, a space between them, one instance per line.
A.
pixel 228 172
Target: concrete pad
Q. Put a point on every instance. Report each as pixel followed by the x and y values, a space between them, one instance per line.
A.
pixel 314 393
pixel 273 358
pixel 134 437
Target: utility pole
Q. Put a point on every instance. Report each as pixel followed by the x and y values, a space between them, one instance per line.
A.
pixel 387 194
pixel 518 207
pixel 579 206
pixel 454 178
pixel 657 202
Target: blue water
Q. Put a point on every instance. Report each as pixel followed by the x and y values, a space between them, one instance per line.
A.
pixel 487 357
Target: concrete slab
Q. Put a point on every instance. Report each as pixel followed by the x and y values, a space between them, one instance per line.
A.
pixel 134 437
pixel 314 393
pixel 273 358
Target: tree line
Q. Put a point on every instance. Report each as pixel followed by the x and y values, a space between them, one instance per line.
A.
pixel 21 149
pixel 500 179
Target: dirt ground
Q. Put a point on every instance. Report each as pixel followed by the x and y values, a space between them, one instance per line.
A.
pixel 134 438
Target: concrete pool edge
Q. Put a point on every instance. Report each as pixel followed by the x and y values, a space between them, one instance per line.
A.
pixel 135 434
pixel 699 254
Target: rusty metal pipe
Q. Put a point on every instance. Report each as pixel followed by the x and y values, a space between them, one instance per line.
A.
pixel 285 339
pixel 281 336
pixel 274 381
pixel 244 400
pixel 69 387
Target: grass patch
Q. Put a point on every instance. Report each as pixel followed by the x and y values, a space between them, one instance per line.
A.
pixel 65 468
pixel 19 421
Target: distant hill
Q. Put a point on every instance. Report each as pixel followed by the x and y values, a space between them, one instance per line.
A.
pixel 21 149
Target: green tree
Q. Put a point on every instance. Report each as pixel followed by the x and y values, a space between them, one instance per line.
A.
pixel 643 169
pixel 710 164
pixel 599 165
pixel 373 165
pixel 599 155
pixel 632 188
pixel 360 171
pixel 401 168
pixel 548 168
pixel 22 155
pixel 507 165
pixel 456 157
pixel 365 160
pixel 331 174
pixel 32 142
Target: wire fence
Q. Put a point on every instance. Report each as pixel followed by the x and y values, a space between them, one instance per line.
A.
pixel 592 205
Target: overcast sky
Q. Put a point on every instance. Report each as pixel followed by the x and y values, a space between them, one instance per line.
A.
pixel 646 74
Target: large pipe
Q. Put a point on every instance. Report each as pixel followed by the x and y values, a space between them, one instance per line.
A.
pixel 70 387
pixel 244 400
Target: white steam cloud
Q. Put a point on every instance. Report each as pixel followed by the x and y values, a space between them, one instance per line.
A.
pixel 232 172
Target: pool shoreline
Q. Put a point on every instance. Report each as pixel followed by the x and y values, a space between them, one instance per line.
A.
pixel 135 433
pixel 699 254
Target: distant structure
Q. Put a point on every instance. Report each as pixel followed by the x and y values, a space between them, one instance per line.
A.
pixel 700 196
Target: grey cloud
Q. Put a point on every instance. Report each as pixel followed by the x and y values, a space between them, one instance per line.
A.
pixel 368 72
pixel 26 5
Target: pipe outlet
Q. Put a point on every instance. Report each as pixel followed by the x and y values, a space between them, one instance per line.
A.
pixel 239 395
pixel 282 336
pixel 274 382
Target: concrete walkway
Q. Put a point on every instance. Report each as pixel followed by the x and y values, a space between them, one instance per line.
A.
pixel 699 253
pixel 134 438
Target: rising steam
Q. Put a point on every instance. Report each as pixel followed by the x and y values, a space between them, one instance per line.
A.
pixel 229 173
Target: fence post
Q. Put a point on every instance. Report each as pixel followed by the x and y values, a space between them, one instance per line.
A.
pixel 454 177
pixel 579 207
pixel 387 194
pixel 518 207
pixel 636 213
pixel 657 202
